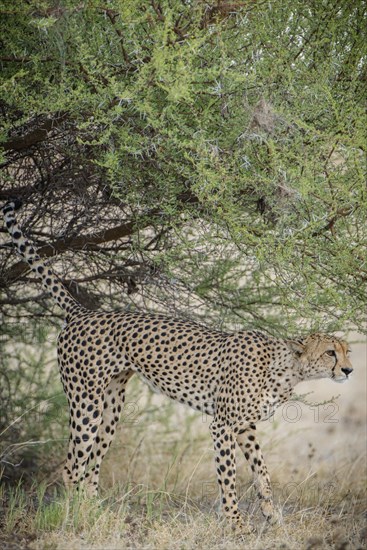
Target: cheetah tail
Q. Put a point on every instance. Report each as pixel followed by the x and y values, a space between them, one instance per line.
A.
pixel 49 280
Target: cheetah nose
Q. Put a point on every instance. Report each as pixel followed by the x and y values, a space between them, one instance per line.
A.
pixel 347 371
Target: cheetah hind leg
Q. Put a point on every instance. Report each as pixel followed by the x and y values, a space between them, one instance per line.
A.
pixel 113 404
pixel 83 431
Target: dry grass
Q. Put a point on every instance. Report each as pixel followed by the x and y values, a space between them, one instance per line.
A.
pixel 159 488
pixel 164 520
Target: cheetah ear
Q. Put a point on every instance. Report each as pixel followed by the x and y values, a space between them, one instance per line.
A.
pixel 296 346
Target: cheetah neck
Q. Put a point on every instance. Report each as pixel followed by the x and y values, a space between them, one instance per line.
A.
pixel 285 374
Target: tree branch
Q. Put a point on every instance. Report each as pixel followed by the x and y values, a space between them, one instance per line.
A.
pixel 80 242
pixel 34 136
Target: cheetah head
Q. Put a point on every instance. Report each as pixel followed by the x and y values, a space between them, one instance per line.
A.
pixel 322 356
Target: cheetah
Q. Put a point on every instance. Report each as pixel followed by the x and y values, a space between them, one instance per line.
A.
pixel 237 378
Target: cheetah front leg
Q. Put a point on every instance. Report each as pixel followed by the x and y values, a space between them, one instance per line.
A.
pixel 250 447
pixel 225 446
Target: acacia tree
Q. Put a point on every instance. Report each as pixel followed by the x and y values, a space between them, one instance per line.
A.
pixel 204 158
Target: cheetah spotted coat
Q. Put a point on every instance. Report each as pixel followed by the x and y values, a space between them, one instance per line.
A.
pixel 237 378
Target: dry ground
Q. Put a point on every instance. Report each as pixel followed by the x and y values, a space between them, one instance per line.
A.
pixel 159 488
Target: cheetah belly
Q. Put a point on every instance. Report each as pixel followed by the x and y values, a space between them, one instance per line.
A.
pixel 198 400
pixel 181 369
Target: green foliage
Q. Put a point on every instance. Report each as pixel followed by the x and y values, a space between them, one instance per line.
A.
pixel 33 411
pixel 239 131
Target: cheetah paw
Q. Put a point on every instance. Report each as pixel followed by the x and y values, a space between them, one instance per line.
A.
pixel 243 527
pixel 271 514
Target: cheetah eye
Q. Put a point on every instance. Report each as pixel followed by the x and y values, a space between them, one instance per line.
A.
pixel 330 352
